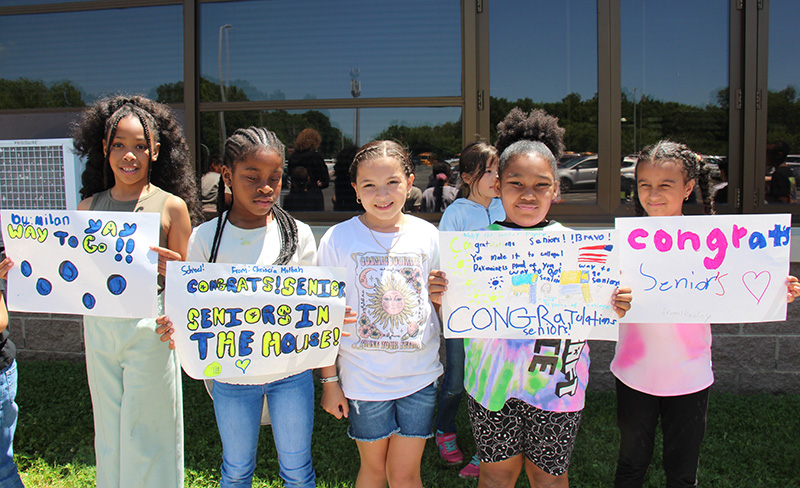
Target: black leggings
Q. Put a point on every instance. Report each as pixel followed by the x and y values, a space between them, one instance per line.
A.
pixel 683 424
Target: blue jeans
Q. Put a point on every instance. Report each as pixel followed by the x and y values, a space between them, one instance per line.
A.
pixel 9 477
pixel 408 416
pixel 452 385
pixel 291 408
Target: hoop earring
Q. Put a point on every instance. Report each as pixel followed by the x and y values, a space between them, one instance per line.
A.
pixel 358 200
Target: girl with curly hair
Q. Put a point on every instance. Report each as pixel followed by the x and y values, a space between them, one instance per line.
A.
pixel 136 161
pixel 305 155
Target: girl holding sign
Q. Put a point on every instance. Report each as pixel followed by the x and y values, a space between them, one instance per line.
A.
pixel 664 370
pixel 136 161
pixel 389 364
pixel 479 209
pixel 9 476
pixel 255 230
pixel 525 397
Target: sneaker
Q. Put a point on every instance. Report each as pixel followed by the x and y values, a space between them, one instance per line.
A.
pixel 448 448
pixel 472 469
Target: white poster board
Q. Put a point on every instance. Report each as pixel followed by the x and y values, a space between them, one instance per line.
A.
pixel 93 263
pixel 236 321
pixel 527 284
pixel 705 269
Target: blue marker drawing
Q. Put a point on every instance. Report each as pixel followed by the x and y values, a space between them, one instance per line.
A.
pixel 94 226
pixel 116 284
pixel 127 230
pixel 128 249
pixel 73 242
pixel 25 269
pixel 88 301
pixel 43 287
pixel 68 271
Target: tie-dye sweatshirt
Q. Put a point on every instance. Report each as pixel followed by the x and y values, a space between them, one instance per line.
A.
pixel 550 374
pixel 664 359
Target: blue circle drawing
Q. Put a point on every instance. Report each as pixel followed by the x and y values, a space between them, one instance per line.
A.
pixel 116 284
pixel 68 271
pixel 88 301
pixel 129 259
pixel 118 257
pixel 43 287
pixel 25 268
pixel 73 242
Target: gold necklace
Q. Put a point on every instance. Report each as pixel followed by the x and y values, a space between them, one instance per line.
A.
pixel 399 232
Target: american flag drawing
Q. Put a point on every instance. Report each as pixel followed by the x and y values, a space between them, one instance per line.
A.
pixel 594 254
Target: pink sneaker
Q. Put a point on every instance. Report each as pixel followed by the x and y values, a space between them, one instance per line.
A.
pixel 472 469
pixel 448 448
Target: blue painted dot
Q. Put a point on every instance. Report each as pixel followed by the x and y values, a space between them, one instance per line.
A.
pixel 116 284
pixel 118 257
pixel 68 271
pixel 43 287
pixel 25 268
pixel 88 301
pixel 73 242
pixel 129 259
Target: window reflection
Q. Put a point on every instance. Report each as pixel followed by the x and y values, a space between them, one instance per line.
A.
pixel 288 50
pixel 783 129
pixel 555 68
pixel 430 134
pixel 670 88
pixel 71 59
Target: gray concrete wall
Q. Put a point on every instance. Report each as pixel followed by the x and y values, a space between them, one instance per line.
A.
pixel 748 358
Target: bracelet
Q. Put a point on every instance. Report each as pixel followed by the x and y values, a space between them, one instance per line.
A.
pixel 329 379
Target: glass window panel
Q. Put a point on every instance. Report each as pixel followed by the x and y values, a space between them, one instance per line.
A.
pixel 423 130
pixel 293 50
pixel 675 81
pixel 71 59
pixel 544 55
pixel 783 116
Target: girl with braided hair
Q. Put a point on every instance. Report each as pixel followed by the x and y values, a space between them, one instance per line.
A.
pixel 253 229
pixel 664 370
pixel 136 161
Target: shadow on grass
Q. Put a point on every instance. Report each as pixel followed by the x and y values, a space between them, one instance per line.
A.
pixel 750 440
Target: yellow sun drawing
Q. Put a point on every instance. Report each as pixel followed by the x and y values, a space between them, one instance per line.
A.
pixel 392 303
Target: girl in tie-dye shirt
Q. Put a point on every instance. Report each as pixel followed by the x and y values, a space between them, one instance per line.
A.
pixel 526 396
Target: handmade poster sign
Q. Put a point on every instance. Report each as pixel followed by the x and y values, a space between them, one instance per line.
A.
pixel 706 268
pixel 519 284
pixel 93 263
pixel 234 321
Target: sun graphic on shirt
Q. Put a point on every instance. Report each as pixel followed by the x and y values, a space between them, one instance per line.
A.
pixel 392 303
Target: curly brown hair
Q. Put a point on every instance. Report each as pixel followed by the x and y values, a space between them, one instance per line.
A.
pixel 172 171
pixel 535 126
pixel 307 140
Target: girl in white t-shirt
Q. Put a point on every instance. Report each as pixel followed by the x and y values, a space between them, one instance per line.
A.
pixel 254 230
pixel 664 370
pixel 389 364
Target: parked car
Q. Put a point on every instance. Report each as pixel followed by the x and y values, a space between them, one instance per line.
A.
pixel 578 172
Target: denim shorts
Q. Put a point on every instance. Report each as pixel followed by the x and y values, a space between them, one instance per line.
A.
pixel 410 416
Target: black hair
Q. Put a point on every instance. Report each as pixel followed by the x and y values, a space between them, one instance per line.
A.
pixel 299 178
pixel 381 149
pixel 238 147
pixel 776 153
pixel 538 125
pixel 474 160
pixel 172 171
pixel 441 175
pixel 692 166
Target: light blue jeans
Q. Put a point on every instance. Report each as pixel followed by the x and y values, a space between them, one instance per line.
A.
pixel 291 408
pixel 9 477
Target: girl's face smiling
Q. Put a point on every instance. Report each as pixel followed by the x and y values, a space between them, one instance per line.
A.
pixel 662 189
pixel 382 186
pixel 255 184
pixel 484 189
pixel 527 187
pixel 129 157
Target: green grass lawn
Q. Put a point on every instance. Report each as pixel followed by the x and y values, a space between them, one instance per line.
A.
pixel 751 441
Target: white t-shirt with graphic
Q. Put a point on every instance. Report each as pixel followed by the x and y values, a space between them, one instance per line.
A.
pixel 393 348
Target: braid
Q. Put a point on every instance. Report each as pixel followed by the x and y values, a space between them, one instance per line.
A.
pixel 381 149
pixel 238 147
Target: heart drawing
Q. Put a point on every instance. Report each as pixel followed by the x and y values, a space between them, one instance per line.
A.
pixel 757 283
pixel 242 364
